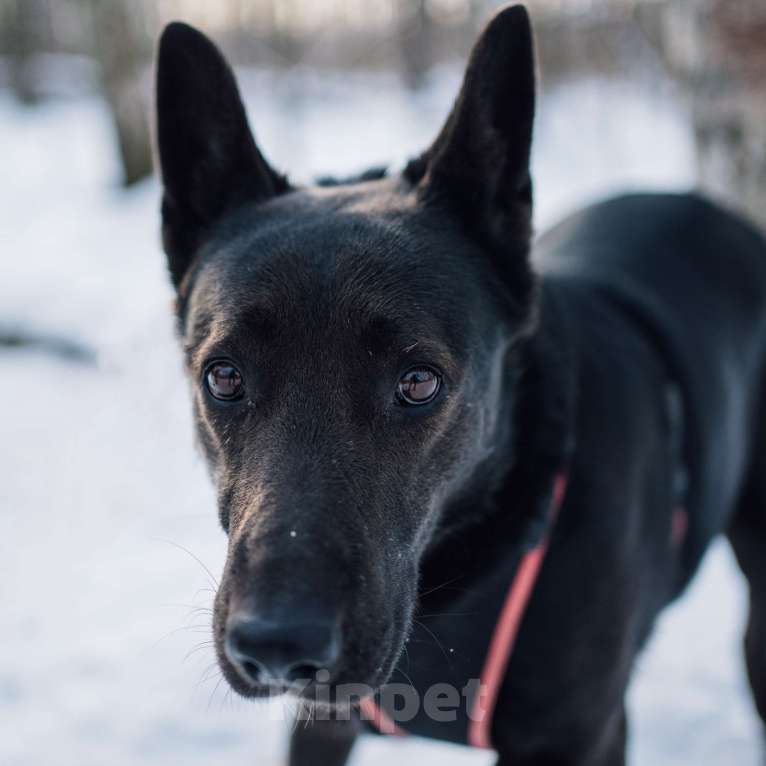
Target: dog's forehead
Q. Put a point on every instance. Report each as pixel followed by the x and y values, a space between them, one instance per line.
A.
pixel 355 255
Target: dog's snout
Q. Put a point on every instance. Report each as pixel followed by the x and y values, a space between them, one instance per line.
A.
pixel 266 651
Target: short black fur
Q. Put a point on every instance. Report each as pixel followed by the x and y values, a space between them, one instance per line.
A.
pixel 362 530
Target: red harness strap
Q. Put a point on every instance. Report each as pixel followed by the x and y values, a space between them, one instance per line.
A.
pixel 506 630
pixel 500 647
pixel 680 526
pixel 378 717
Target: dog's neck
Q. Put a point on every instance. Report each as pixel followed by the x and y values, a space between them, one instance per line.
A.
pixel 509 513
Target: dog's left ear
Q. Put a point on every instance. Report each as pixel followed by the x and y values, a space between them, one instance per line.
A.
pixel 209 160
pixel 478 167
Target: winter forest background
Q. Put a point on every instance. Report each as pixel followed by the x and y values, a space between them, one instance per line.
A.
pixel 107 521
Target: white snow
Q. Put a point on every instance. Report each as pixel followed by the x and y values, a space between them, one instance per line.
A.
pixel 106 512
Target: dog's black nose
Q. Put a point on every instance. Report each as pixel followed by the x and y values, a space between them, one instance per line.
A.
pixel 269 651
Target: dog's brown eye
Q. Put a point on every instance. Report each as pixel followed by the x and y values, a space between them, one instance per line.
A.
pixel 418 386
pixel 224 381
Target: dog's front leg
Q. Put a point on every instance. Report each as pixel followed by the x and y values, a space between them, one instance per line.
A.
pixel 322 743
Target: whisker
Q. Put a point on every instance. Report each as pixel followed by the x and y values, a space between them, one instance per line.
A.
pixel 406 676
pixel 215 689
pixel 296 716
pixel 190 628
pixel 438 643
pixel 439 587
pixel 194 607
pixel 213 580
pixel 310 710
pixel 198 648
pixel 208 674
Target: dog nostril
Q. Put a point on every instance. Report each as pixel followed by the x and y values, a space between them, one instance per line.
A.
pixel 252 670
pixel 239 654
pixel 274 651
pixel 304 671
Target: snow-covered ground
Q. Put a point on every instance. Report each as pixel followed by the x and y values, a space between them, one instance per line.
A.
pixel 103 614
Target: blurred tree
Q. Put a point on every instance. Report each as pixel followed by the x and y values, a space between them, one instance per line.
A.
pixel 717 49
pixel 23 22
pixel 415 34
pixel 122 48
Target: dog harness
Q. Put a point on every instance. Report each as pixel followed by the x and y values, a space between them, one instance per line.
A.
pixel 501 643
pixel 507 627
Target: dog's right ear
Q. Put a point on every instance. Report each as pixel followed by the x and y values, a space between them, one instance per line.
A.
pixel 209 161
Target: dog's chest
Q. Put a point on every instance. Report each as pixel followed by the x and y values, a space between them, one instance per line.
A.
pixel 434 689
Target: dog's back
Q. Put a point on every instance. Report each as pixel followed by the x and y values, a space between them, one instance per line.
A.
pixel 694 278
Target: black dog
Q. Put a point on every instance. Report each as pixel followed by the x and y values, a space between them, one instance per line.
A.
pixel 391 402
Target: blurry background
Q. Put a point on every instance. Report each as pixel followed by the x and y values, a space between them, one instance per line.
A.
pixel 107 521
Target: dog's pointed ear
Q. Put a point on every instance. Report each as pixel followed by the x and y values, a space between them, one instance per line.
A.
pixel 209 161
pixel 478 167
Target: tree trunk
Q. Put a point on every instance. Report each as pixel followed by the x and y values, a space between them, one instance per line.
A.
pixel 716 48
pixel 23 26
pixel 415 32
pixel 120 47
